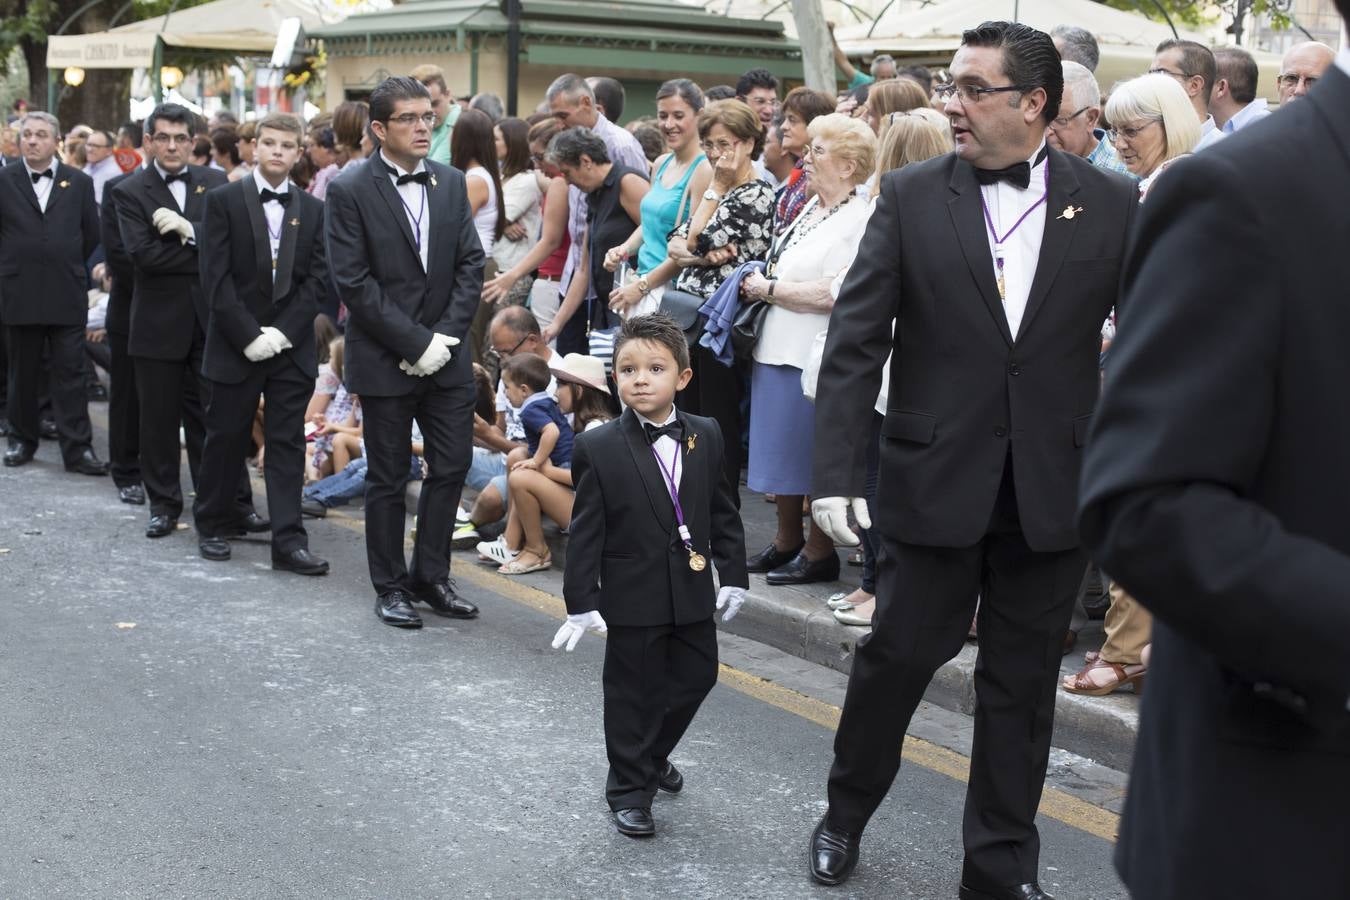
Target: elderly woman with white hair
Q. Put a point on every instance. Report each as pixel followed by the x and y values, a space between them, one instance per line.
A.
pixel 839 156
pixel 1153 125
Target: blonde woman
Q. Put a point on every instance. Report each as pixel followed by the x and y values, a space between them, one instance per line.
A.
pixel 1153 124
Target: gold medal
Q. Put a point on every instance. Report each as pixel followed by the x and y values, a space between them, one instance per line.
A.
pixel 696 561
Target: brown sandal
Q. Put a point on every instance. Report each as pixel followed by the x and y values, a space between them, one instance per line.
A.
pixel 1082 683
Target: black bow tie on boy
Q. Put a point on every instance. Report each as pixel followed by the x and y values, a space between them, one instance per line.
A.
pixel 283 198
pixel 1018 174
pixel 38 176
pixel 673 430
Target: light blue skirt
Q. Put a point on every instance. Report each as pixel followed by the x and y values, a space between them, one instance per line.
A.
pixel 782 431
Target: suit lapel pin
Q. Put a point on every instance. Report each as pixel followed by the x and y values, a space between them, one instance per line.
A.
pixel 295 223
pixel 693 439
pixel 433 180
pixel 201 189
pixel 1069 212
pixel 64 184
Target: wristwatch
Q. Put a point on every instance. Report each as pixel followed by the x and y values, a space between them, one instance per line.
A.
pixel 773 282
pixel 710 194
pixel 644 285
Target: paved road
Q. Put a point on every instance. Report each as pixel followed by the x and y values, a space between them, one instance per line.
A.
pixel 262 735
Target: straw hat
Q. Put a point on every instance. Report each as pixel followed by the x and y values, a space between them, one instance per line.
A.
pixel 580 368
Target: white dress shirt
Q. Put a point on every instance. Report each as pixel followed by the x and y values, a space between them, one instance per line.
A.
pixel 275 214
pixel 43 186
pixel 1021 250
pixel 1255 111
pixel 1209 134
pixel 416 199
pixel 666 447
pixel 178 188
pixel 1343 63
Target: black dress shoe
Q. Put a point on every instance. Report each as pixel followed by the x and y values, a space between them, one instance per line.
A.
pixel 47 429
pixel 670 780
pixel 395 608
pixel 1031 891
pixel 88 464
pixel 834 853
pixel 313 508
pixel 255 524
pixel 161 526
pixel 803 571
pixel 19 454
pixel 133 494
pixel 444 601
pixel 300 561
pixel 770 558
pixel 635 822
pixel 216 549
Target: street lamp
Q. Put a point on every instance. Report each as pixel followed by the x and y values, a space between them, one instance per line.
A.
pixel 170 76
pixel 74 76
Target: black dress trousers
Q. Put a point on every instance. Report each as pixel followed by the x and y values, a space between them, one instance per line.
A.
pixel 925 598
pixel 124 413
pixel 26 382
pixel 715 391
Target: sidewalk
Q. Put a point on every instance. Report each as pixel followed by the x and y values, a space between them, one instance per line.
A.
pixel 796 620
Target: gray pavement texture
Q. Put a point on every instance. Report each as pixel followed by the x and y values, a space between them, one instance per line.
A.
pixel 171 727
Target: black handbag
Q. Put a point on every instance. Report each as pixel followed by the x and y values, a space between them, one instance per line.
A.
pixel 683 306
pixel 746 327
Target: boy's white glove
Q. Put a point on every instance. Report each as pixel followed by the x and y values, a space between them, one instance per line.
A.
pixel 166 221
pixel 259 349
pixel 575 626
pixel 433 358
pixel 731 598
pixel 831 514
pixel 277 338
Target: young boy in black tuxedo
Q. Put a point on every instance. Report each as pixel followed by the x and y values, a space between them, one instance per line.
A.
pixel 652 504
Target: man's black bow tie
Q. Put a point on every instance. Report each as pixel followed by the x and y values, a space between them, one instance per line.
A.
pixel 421 178
pixel 38 176
pixel 171 177
pixel 283 198
pixel 673 430
pixel 1018 174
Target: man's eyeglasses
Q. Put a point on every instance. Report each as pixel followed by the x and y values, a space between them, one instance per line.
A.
pixel 971 93
pixel 1128 132
pixel 1291 80
pixel 181 140
pixel 1182 76
pixel 407 120
pixel 1063 121
pixel 504 354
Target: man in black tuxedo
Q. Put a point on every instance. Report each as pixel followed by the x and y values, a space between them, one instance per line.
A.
pixel 408 264
pixel 48 228
pixel 263 273
pixel 1214 489
pixel 124 411
pixel 993 274
pixel 159 214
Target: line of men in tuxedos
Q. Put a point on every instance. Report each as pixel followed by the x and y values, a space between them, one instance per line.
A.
pixel 49 227
pixel 985 275
pixel 407 263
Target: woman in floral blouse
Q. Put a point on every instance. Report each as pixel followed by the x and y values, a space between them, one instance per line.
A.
pixel 731 223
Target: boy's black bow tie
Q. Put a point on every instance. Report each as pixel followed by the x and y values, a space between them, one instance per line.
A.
pixel 674 430
pixel 283 198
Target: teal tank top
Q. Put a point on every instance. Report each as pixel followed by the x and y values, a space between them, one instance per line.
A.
pixel 659 209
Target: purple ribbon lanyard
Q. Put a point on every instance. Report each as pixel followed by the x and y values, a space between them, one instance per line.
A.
pixel 675 493
pixel 417 219
pixel 993 232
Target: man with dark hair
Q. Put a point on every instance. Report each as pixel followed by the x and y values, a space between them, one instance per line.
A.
pixel 981 448
pixel 1234 103
pixel 758 89
pixel 921 76
pixel 48 228
pixel 719 92
pixel 609 97
pixel 260 340
pixel 1076 45
pixel 1192 65
pixel 1214 488
pixel 159 214
pixel 443 105
pixel 407 262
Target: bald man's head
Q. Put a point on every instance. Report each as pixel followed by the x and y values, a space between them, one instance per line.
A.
pixel 1301 67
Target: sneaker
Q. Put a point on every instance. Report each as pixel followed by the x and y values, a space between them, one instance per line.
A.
pixel 496 552
pixel 464 536
pixel 462 516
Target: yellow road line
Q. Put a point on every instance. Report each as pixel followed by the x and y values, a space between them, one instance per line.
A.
pixel 1055 804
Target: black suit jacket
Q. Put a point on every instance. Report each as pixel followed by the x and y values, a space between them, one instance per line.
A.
pixel 962 391
pixel 43 278
pixel 242 296
pixel 393 306
pixel 624 553
pixel 1215 490
pixel 167 307
pixel 118 263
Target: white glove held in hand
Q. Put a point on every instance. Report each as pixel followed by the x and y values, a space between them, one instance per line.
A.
pixel 575 626
pixel 433 358
pixel 259 349
pixel 831 514
pixel 731 598
pixel 169 222
pixel 277 338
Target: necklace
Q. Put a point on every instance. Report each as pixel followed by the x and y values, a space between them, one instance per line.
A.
pixel 795 236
